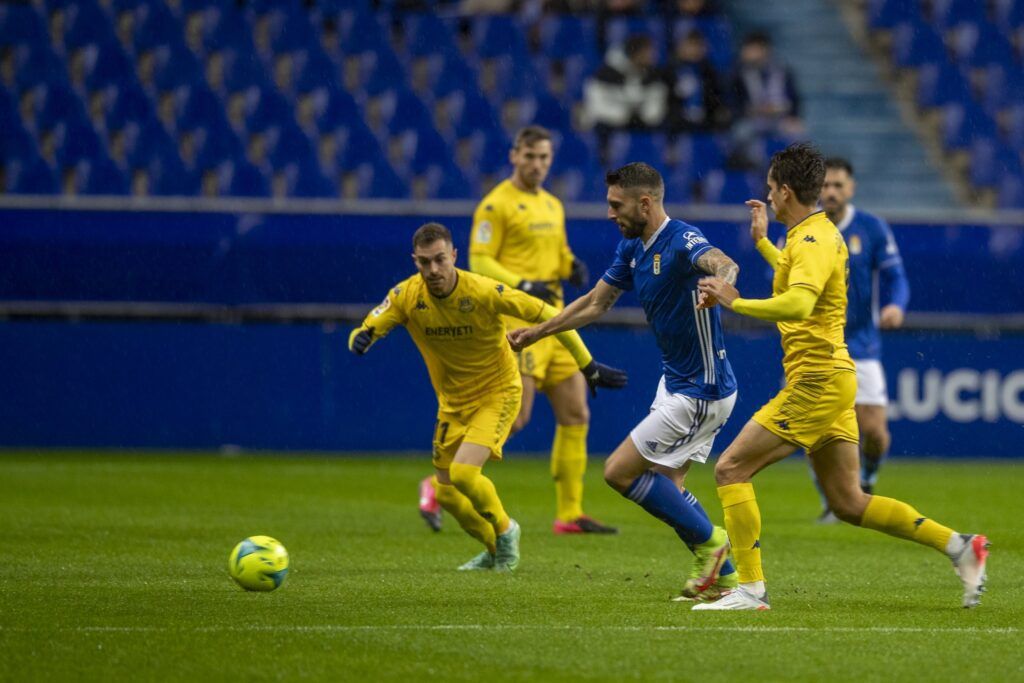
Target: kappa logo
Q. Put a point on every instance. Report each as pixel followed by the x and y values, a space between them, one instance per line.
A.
pixel 657 264
pixel 501 289
pixel 919 521
pixel 783 425
pixel 466 305
pixel 809 238
pixel 421 305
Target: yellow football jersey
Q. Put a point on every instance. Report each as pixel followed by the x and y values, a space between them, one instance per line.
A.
pixel 814 257
pixel 524 232
pixel 461 336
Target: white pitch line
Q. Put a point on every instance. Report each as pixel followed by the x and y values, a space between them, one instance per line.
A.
pixel 342 628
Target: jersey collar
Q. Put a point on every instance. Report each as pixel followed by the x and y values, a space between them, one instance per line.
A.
pixel 805 219
pixel 847 219
pixel 648 243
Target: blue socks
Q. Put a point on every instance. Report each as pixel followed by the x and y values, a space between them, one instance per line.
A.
pixel 657 494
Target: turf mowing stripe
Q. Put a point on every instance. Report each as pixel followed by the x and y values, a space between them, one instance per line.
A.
pixel 328 628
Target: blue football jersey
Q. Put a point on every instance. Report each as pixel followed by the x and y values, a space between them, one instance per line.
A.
pixel 664 274
pixel 872 251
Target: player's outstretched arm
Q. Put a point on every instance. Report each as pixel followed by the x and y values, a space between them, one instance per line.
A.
pixel 715 262
pixel 759 232
pixel 360 341
pixel 579 313
pixel 796 303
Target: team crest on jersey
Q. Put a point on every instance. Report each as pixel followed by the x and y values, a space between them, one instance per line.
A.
pixel 384 305
pixel 855 245
pixel 483 232
pixel 657 264
pixel 466 305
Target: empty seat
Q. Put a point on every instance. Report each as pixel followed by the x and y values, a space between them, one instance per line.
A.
pixel 916 43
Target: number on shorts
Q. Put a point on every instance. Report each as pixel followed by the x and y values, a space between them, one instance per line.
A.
pixel 442 432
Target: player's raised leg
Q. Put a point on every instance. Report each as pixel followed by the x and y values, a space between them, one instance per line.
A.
pixel 467 476
pixel 836 465
pixel 569 456
pixel 461 508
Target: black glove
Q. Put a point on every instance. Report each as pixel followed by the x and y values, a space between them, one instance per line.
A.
pixel 580 275
pixel 539 288
pixel 598 375
pixel 361 341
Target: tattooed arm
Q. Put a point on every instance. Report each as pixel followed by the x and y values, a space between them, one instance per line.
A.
pixel 715 262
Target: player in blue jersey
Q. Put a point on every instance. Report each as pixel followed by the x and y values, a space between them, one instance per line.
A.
pixel 662 260
pixel 876 299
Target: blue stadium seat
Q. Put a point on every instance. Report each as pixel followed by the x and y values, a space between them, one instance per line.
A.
pixel 242 179
pixel 379 71
pixel 962 124
pixel 155 25
pixel 20 23
pixel 572 151
pixel 698 154
pixel 313 69
pixel 483 152
pixel 76 141
pixel 625 147
pixel 105 65
pixel 438 75
pixel 128 102
pixel 360 33
pixel 174 65
pixel 101 176
pixel 222 26
pixel 289 27
pixel 1000 87
pixel 357 146
pixel 378 181
pixel 36 64
pixel 470 112
pixel 265 107
pixel 915 43
pixel 980 44
pixel 730 187
pixel 679 185
pixel 564 36
pixel 55 103
pixel 444 181
pixel 1012 124
pixel 287 144
pixel 940 84
pixel 949 13
pixel 195 105
pixel 332 108
pixel 498 35
pixel 146 140
pixel 423 34
pixel 16 143
pixel 990 161
pixel 86 23
pixel 1009 14
pixel 887 14
pixel 31 176
pixel 1010 192
pixel 169 177
pixel 306 181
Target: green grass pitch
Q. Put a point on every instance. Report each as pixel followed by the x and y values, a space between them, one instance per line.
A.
pixel 115 568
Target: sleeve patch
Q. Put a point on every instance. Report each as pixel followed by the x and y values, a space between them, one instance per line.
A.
pixel 484 231
pixel 384 305
pixel 694 238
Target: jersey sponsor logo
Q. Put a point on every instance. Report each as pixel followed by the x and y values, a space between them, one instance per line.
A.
pixel 855 245
pixel 466 305
pixel 449 331
pixel 421 305
pixel 484 232
pixel 962 395
pixel 541 226
pixel 384 305
pixel 694 238
pixel 657 264
pixel 809 238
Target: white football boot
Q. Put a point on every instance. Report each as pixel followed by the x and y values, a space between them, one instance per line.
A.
pixel 740 599
pixel 969 564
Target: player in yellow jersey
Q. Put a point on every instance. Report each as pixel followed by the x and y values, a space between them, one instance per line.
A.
pixel 814 411
pixel 519 238
pixel 455 319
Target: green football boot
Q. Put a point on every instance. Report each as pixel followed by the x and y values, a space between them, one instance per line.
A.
pixel 507 557
pixel 704 582
pixel 482 562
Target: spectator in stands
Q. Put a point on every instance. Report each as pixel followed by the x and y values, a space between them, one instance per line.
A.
pixel 628 90
pixel 695 95
pixel 693 9
pixel 765 99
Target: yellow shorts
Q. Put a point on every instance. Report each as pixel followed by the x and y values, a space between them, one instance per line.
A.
pixel 548 362
pixel 486 423
pixel 813 410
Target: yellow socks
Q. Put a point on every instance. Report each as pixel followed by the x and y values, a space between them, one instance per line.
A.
pixel 471 482
pixel 568 464
pixel 461 508
pixel 896 518
pixel 743 523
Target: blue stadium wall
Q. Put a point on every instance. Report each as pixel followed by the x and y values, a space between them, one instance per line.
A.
pixel 202 385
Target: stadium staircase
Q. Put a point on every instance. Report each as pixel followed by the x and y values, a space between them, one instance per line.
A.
pixel 846 107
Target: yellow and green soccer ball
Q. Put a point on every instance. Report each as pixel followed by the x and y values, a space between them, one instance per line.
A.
pixel 259 563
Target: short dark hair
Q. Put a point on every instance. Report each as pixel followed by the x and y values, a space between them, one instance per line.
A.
pixel 636 44
pixel 428 233
pixel 531 135
pixel 637 176
pixel 839 164
pixel 757 38
pixel 802 167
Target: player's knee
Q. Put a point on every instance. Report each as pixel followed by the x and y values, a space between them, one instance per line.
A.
pixel 576 414
pixel 462 476
pixel 727 471
pixel 850 506
pixel 615 477
pixel 875 441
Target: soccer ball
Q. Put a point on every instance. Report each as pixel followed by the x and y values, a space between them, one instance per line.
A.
pixel 259 563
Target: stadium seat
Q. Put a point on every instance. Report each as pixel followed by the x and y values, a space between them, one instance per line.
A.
pixel 564 36
pixel 962 124
pixel 980 44
pixel 313 69
pixel 36 65
pixel 618 29
pixel 1000 87
pixel 498 35
pixel 85 23
pixel 422 34
pixel 1009 14
pixel 287 144
pixel 940 84
pixel 101 176
pixel 155 25
pixel 327 109
pixel 21 24
pixel 730 187
pixel 1010 193
pixel 30 176
pixel 174 65
pixel 239 178
pixel 306 181
pixel 946 14
pixel 624 147
pixel 125 103
pixel 887 14
pixel 990 161
pixel 916 43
